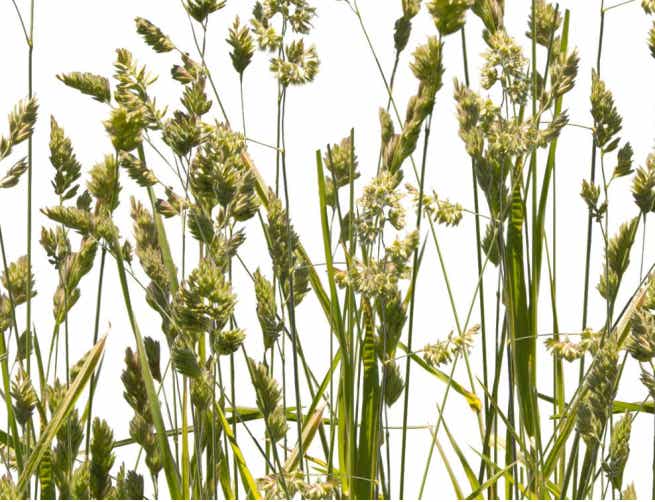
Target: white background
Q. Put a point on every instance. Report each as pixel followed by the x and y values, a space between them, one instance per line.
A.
pixel 82 36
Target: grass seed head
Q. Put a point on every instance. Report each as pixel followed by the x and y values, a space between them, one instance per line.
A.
pixel 300 66
pixel 13 174
pixel 226 342
pixel 63 159
pixel 90 84
pixel 129 486
pixel 8 489
pixel 619 451
pixel 392 382
pixel 599 388
pixel 137 170
pixel 563 73
pixel 491 13
pixel 629 493
pixel 153 36
pixel 21 125
pixel 102 459
pixel 449 15
pixel 545 23
pixel 643 186
pixel 81 482
pixel 506 65
pixel 201 390
pixel 607 121
pixel 15 280
pixel 201 9
pixel 617 259
pixel 25 399
pixel 649 382
pixel 104 185
pixel 125 128
pixel 267 310
pixel 243 48
pixel 641 343
pixel 153 353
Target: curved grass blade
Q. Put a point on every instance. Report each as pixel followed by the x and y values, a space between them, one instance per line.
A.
pixel 309 431
pixel 246 476
pixel 168 462
pixel 60 416
pixel 334 299
pixel 453 479
pixel 472 400
pixel 470 474
pixel 491 481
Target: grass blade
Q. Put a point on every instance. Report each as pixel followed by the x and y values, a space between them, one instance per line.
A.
pixel 61 414
pixel 170 467
pixel 369 433
pixel 472 400
pixel 246 477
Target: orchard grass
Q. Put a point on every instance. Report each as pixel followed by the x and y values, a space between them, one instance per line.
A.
pixel 294 426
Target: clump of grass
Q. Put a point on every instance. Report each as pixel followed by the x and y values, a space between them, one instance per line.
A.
pixel 288 430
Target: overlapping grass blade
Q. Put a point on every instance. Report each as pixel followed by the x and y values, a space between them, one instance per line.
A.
pixel 61 414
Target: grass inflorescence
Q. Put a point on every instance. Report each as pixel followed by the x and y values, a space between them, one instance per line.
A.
pixel 223 398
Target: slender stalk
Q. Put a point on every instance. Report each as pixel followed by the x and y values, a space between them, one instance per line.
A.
pixel 96 329
pixel 30 74
pixel 172 474
pixel 243 107
pixel 478 252
pixel 290 302
pixel 403 448
pixel 4 365
pixel 592 176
